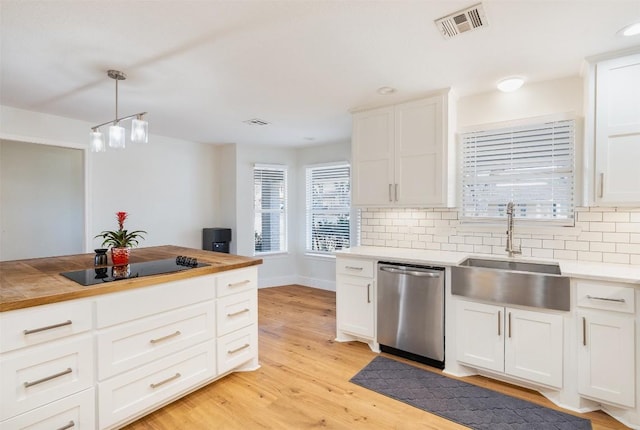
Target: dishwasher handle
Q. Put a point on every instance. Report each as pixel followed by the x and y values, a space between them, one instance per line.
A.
pixel 410 272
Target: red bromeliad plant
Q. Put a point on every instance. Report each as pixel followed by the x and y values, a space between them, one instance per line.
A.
pixel 121 238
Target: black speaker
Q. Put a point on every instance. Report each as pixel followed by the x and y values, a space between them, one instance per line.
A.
pixel 216 239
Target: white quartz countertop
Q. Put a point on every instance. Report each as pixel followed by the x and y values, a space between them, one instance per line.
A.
pixel 577 269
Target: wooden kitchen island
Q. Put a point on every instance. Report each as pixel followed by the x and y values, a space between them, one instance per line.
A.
pixel 100 356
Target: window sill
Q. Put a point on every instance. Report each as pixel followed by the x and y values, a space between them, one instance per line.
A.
pixel 319 256
pixel 271 254
pixel 519 229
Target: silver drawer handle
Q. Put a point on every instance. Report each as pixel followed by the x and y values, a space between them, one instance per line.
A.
pixel 156 385
pixel 49 327
pixel 606 299
pixel 353 268
pixel 67 426
pixel 233 314
pixel 233 351
pixel 169 336
pixel 47 378
pixel 237 284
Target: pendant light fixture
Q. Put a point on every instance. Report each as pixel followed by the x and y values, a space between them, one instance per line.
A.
pixel 139 127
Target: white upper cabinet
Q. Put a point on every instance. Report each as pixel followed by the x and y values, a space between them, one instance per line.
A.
pixel 403 155
pixel 617 131
pixel 373 157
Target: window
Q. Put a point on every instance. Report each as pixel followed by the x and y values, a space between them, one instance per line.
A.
pixel 270 203
pixel 328 208
pixel 530 165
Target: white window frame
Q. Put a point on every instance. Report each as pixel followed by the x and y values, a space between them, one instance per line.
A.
pixel 282 210
pixel 494 212
pixel 338 210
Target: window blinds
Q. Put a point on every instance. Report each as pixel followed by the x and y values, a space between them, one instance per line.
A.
pixel 270 201
pixel 328 208
pixel 531 166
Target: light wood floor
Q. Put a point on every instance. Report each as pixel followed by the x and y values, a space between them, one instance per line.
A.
pixel 303 382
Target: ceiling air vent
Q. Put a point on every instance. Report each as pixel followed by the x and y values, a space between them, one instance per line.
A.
pixel 461 21
pixel 256 121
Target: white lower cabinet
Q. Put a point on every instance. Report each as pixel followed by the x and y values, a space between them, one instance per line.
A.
pixel 34 376
pixel 606 358
pixel 75 412
pixel 237 348
pixel 355 306
pixel 606 349
pixel 355 299
pixel 128 345
pixel 104 361
pixel 129 393
pixel 520 343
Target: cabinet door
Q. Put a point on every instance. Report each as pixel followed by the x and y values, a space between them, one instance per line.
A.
pixel 419 150
pixel 480 335
pixel 533 346
pixel 606 357
pixel 372 170
pixel 355 306
pixel 618 130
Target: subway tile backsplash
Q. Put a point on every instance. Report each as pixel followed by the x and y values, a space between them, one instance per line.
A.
pixel 608 235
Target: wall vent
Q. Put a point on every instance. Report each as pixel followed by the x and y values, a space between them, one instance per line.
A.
pixel 462 21
pixel 256 121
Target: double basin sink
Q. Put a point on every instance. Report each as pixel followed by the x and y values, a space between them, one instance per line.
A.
pixel 522 283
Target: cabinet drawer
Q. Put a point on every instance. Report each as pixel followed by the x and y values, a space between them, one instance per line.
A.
pixel 38 324
pixel 76 412
pixel 129 345
pixel 355 267
pixel 127 395
pixel 237 348
pixel 142 302
pixel 236 281
pixel 41 374
pixel 606 296
pixel 236 311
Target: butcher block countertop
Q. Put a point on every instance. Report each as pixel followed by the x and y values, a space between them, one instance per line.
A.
pixel 37 281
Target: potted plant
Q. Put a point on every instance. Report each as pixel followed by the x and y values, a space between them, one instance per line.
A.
pixel 121 241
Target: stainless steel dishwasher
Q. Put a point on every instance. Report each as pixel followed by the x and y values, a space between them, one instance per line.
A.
pixel 410 317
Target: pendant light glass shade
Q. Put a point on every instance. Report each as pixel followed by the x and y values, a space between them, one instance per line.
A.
pixel 116 137
pixel 139 127
pixel 139 131
pixel 96 142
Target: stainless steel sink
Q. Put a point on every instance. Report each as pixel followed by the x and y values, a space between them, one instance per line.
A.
pixel 512 282
pixel 518 266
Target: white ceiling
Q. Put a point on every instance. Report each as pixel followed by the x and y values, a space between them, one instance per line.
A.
pixel 203 67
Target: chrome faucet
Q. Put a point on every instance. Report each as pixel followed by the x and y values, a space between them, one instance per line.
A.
pixel 510 249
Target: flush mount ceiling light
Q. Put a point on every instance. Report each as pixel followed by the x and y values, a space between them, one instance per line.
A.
pixel 385 91
pixel 139 127
pixel 510 84
pixel 256 121
pixel 630 30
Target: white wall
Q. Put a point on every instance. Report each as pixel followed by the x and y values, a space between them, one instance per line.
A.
pixel 235 176
pixel 534 99
pixel 277 269
pixel 41 200
pixel 167 186
pixel 225 171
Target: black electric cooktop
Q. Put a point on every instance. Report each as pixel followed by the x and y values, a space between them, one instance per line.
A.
pixel 100 275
